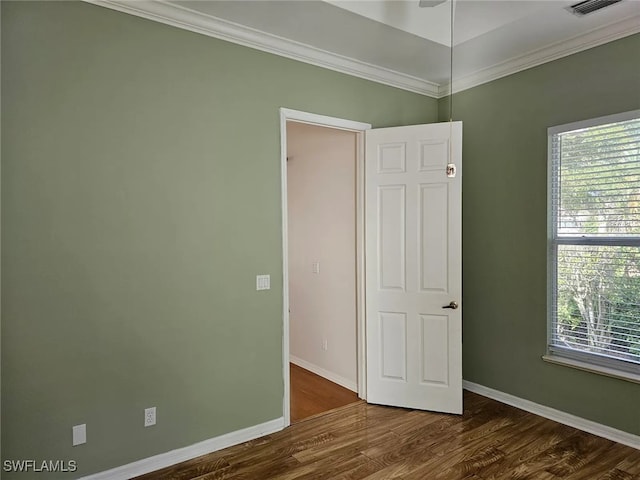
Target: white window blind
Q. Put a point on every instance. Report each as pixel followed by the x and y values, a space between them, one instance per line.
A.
pixel 595 242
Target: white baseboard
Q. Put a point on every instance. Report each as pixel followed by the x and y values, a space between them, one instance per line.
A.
pixel 167 459
pixel 556 415
pixel 335 378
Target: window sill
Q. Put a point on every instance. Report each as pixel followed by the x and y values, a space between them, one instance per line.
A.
pixel 587 367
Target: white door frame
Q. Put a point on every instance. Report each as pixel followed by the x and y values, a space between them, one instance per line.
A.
pixel 341 124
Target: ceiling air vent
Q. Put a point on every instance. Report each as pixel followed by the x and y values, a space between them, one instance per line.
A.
pixel 590 6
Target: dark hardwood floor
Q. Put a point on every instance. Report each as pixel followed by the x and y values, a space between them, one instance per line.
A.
pixel 360 441
pixel 312 394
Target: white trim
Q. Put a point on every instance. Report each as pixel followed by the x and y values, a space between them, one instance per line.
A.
pixel 333 377
pixel 593 368
pixel 593 122
pixel 325 121
pixel 361 325
pixel 179 16
pixel 554 51
pixel 556 415
pixel 167 459
pixel 286 402
pixel 552 253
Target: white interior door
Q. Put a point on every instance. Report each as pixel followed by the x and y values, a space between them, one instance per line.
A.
pixel 413 214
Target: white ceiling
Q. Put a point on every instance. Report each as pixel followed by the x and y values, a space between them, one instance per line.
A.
pixel 395 41
pixel 471 18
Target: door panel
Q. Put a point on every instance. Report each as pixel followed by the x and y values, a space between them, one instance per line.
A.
pixel 393 345
pixel 413 267
pixel 391 158
pixel 391 237
pixel 434 349
pixel 434 238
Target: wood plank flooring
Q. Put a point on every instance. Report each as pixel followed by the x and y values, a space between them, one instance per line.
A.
pixel 312 394
pixel 490 441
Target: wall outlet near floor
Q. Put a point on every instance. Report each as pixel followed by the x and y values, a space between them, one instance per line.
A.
pixel 325 344
pixel 79 434
pixel 149 416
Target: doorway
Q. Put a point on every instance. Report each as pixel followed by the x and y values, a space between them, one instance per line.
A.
pixel 321 235
pixel 411 355
pixel 321 188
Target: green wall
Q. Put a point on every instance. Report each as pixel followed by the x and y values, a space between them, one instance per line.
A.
pixel 140 197
pixel 505 225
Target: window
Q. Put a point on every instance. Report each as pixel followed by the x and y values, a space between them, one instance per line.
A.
pixel 594 244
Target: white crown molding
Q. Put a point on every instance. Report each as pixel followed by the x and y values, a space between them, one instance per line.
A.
pixel 167 459
pixel 554 51
pixel 333 377
pixel 187 19
pixel 556 415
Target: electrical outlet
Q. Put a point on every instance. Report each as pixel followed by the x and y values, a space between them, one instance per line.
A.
pixel 149 416
pixel 325 344
pixel 79 434
pixel 315 267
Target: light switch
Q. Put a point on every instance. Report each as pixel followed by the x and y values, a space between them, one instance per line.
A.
pixel 263 282
pixel 315 267
pixel 79 434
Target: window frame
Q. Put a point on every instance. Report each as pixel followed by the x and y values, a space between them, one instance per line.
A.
pixel 582 360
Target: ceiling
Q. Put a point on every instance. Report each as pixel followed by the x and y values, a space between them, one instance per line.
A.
pixel 395 41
